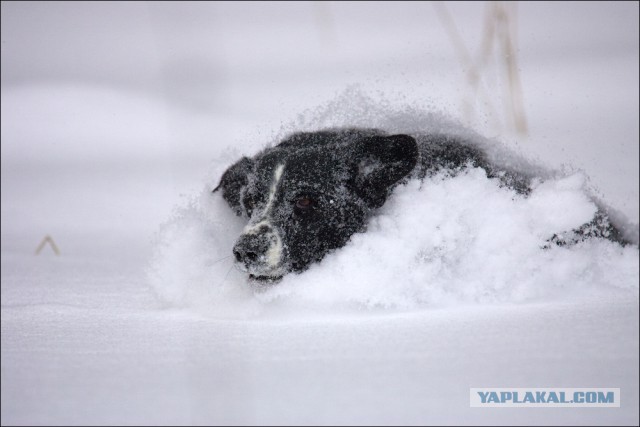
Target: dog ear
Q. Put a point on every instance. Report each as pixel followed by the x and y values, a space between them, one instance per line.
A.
pixel 232 182
pixel 380 162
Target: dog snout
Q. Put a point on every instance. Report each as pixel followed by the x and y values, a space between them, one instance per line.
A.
pixel 251 249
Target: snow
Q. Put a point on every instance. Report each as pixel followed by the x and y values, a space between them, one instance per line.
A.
pixel 118 120
pixel 444 241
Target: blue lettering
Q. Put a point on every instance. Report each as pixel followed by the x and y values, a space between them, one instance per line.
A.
pixel 608 398
pixel 493 397
pixel 548 397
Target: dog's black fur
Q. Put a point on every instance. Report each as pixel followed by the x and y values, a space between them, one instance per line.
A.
pixel 310 193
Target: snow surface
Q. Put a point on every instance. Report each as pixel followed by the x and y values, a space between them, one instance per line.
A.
pixel 118 120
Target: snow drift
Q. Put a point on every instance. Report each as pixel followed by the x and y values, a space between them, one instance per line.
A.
pixel 438 242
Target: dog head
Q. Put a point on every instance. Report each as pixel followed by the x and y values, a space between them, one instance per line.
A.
pixel 309 194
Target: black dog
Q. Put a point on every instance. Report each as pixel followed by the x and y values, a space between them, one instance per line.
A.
pixel 309 194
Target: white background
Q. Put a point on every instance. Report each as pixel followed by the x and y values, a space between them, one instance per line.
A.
pixel 114 113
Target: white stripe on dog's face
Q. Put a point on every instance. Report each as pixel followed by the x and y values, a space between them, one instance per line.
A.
pixel 264 218
pixel 273 255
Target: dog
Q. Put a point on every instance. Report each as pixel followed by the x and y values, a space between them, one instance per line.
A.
pixel 307 195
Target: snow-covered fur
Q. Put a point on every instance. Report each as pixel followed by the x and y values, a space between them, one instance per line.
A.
pixel 310 193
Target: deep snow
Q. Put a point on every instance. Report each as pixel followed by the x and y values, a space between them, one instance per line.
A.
pixel 437 242
pixel 117 121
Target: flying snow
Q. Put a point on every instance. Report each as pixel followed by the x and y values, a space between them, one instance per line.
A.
pixel 437 242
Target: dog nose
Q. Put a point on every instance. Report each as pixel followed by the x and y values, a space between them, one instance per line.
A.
pixel 251 248
pixel 241 255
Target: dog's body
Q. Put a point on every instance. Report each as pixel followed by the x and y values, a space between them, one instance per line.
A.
pixel 309 194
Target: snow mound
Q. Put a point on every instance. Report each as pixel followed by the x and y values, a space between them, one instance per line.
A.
pixel 443 241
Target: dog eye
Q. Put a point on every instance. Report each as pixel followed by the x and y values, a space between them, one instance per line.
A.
pixel 304 204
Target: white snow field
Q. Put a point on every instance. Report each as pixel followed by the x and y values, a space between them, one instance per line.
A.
pixel 119 118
